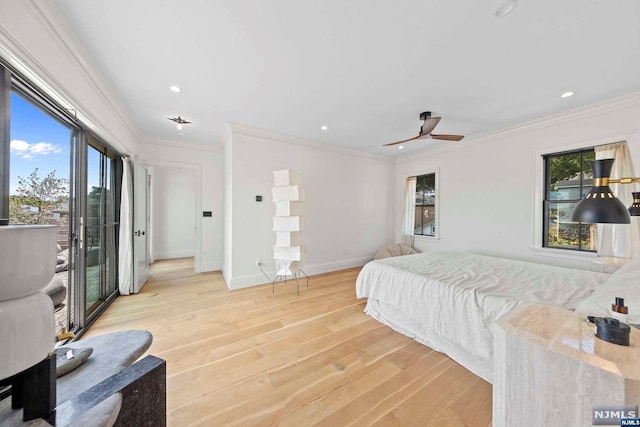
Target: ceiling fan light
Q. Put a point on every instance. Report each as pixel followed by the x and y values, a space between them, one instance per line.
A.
pixel 179 126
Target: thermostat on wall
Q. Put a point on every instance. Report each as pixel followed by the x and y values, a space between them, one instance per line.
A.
pixel 258 198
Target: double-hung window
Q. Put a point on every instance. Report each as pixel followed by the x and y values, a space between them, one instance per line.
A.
pixel 567 178
pixel 425 206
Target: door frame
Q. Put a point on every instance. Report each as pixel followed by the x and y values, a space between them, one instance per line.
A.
pixel 197 258
pixel 138 164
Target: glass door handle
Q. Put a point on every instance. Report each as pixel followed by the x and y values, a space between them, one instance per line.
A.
pixel 81 237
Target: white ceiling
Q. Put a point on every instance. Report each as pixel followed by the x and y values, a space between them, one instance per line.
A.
pixel 364 68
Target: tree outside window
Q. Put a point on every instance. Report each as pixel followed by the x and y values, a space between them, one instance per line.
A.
pixel 39 200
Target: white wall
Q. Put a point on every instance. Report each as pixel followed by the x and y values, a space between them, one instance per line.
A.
pixel 487 201
pixel 347 210
pixel 173 203
pixel 206 163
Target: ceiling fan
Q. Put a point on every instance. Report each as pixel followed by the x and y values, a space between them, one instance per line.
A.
pixel 429 124
pixel 179 121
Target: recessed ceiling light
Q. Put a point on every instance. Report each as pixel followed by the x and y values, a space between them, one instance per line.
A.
pixel 401 147
pixel 324 127
pixel 506 8
pixel 175 89
pixel 567 94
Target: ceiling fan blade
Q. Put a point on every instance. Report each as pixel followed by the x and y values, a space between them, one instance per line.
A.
pixel 447 137
pixel 404 140
pixel 429 125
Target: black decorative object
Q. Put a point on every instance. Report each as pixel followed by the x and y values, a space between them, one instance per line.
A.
pixel 600 205
pixel 611 330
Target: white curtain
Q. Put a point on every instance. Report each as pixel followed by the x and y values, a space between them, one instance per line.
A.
pixel 619 240
pixel 409 211
pixel 125 264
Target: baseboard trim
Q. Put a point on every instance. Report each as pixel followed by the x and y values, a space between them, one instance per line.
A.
pixel 310 270
pixel 210 266
pixel 173 254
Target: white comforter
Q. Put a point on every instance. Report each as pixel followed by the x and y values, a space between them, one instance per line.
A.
pixel 450 300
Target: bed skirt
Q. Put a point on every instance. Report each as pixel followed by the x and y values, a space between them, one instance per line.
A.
pixel 404 324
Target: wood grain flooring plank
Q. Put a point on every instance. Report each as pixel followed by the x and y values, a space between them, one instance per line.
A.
pixel 253 357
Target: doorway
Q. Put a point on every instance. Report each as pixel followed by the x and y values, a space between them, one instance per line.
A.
pixel 175 211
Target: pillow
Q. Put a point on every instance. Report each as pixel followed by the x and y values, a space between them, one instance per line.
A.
pixel 624 283
pixel 394 250
pixel 630 270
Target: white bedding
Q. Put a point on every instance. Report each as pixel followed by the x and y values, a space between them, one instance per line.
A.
pixel 450 300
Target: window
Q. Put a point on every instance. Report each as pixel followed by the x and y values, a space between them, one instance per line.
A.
pixel 567 179
pixel 425 207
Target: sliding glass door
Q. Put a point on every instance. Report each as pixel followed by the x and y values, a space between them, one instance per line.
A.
pixel 41 176
pixel 54 171
pixel 101 226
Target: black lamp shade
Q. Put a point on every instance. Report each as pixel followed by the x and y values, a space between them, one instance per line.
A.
pixel 600 205
pixel 634 209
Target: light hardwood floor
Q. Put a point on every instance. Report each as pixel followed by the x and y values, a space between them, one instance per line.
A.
pixel 250 357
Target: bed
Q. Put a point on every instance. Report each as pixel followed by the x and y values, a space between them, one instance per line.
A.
pixel 449 301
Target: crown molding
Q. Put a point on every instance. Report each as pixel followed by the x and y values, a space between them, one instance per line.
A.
pixel 58 26
pixel 17 56
pixel 240 129
pixel 58 30
pixel 184 145
pixel 608 106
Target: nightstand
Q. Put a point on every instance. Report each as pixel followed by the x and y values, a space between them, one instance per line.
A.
pixel 550 369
